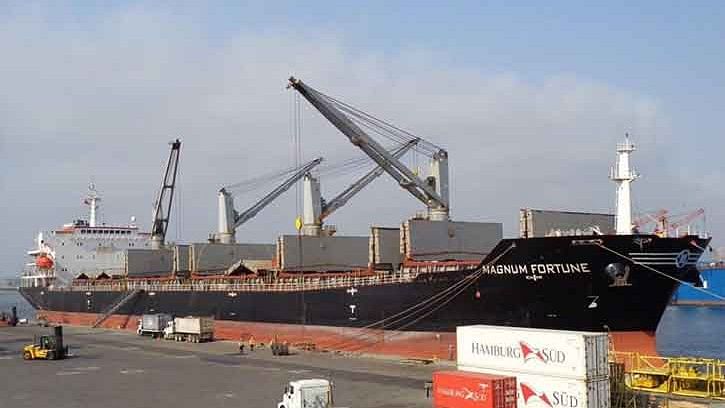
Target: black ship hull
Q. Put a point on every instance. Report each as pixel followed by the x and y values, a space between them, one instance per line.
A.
pixel 592 283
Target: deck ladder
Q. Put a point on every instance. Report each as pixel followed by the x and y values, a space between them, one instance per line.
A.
pixel 115 307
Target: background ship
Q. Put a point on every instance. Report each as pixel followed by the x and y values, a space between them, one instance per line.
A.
pixel 713 280
pixel 711 292
pixel 400 290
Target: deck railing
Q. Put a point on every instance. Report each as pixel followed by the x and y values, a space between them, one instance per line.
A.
pixel 285 284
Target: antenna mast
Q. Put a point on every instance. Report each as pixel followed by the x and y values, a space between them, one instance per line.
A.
pixel 623 174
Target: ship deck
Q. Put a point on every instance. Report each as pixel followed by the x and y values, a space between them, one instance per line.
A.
pixel 120 370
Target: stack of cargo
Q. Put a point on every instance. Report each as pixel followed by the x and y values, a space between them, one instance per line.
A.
pixel 425 240
pixel 216 258
pixel 322 254
pixel 553 368
pixel 144 263
pixel 549 223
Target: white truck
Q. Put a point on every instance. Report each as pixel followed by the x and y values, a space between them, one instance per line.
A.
pixel 313 393
pixel 153 324
pixel 191 329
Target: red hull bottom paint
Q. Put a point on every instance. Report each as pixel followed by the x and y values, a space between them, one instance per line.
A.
pixel 427 345
pixel 642 342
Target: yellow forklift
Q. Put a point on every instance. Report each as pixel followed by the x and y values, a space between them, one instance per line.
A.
pixel 47 347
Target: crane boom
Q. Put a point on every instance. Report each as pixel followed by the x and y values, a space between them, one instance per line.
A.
pixel 230 219
pixel 354 188
pixel 257 207
pixel 401 173
pixel 162 208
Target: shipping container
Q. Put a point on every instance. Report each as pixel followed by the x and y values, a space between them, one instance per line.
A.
pixel 216 258
pixel 570 354
pixel 460 389
pixel 385 248
pixel 424 240
pixel 544 391
pixel 323 253
pixel 149 262
pixel 546 223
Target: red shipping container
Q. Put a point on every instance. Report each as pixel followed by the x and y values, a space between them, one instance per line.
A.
pixel 461 389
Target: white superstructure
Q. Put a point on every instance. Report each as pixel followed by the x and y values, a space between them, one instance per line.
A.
pixel 623 174
pixel 83 247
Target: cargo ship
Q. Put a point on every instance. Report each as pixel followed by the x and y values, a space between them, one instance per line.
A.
pixel 399 291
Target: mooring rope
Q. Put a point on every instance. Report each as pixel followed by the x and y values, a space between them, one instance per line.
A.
pixel 703 290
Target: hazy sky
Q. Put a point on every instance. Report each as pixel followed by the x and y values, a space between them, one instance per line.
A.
pixel 529 99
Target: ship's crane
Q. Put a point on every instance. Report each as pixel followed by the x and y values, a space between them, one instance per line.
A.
pixel 316 210
pixel 162 207
pixel 230 219
pixel 354 188
pixel 433 192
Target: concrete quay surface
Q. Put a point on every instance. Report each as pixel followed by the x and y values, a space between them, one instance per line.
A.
pixel 117 369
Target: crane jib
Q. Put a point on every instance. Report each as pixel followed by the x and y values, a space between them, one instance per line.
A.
pixel 401 173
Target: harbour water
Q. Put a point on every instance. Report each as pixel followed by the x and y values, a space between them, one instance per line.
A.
pixel 10 298
pixel 692 331
pixel 684 330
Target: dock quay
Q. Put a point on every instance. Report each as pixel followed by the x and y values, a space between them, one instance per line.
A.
pixel 118 369
pixel 121 369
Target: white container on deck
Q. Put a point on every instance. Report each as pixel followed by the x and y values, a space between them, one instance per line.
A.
pixel 568 354
pixel 545 391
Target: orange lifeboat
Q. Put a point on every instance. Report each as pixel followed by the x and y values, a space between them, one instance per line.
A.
pixel 44 262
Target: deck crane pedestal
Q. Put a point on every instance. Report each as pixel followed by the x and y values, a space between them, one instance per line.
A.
pixel 316 210
pixel 230 219
pixel 162 208
pixel 433 191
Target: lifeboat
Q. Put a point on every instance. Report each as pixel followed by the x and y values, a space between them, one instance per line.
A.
pixel 44 262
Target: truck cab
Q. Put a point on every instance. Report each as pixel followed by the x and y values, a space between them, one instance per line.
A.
pixel 315 393
pixel 153 324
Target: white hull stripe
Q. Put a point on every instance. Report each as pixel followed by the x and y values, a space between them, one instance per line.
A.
pixel 660 253
pixel 662 263
pixel 662 257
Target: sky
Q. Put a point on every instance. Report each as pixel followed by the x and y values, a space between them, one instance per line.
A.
pixel 529 99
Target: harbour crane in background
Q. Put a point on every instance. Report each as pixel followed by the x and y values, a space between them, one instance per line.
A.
pixel 162 206
pixel 433 191
pixel 316 209
pixel 686 220
pixel 647 218
pixel 230 219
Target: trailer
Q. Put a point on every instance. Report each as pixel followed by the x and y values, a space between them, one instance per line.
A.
pixel 153 324
pixel 191 329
